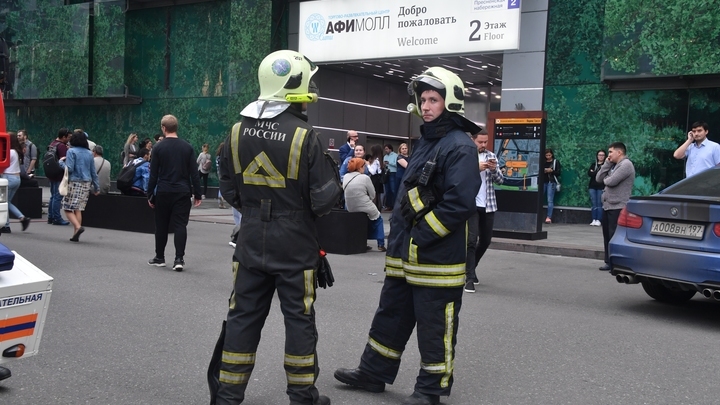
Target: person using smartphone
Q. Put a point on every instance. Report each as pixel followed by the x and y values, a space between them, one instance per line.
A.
pixel 552 173
pixel 701 153
pixel 480 225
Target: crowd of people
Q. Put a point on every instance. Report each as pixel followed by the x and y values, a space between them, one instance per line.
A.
pixel 83 166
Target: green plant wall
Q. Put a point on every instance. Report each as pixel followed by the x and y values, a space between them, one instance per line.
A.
pixel 660 37
pixel 50 59
pixel 108 48
pixel 197 62
pixel 584 115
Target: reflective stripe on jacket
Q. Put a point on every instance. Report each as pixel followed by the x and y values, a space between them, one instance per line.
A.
pixel 432 252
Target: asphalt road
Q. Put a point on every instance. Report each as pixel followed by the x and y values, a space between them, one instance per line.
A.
pixel 540 330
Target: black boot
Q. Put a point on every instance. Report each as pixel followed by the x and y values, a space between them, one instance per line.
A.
pixel 418 398
pixel 357 378
pixel 322 400
pixel 4 373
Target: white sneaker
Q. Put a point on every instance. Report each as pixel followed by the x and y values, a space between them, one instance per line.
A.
pixel 233 244
pixel 597 223
pixel 592 223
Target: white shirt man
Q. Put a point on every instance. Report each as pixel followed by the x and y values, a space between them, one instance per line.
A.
pixel 701 153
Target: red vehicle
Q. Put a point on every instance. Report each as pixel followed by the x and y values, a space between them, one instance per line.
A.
pixel 4 162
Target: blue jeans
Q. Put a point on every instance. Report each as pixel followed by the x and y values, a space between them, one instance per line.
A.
pixel 237 216
pixel 596 203
pixel 550 191
pixel 54 203
pixel 13 186
pixel 376 231
pixel 391 190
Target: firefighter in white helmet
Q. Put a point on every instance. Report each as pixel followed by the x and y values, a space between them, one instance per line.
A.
pixel 274 170
pixel 425 262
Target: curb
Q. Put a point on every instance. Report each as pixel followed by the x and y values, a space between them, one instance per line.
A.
pixel 556 249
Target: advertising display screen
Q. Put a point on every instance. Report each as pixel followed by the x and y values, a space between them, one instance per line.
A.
pixel 517 146
pixel 345 31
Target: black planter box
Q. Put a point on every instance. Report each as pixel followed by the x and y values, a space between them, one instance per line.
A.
pixel 343 232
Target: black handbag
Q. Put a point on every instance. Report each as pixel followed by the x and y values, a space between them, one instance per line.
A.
pixel 385 175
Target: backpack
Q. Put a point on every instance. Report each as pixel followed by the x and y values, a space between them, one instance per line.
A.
pixel 50 163
pixel 207 165
pixel 126 177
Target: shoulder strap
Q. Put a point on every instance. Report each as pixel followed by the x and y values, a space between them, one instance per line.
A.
pixel 348 183
pixel 101 166
pixel 235 147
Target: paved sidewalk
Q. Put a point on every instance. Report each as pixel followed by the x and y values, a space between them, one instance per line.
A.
pixel 572 240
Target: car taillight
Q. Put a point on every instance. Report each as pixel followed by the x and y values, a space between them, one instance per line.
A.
pixel 629 220
pixel 716 229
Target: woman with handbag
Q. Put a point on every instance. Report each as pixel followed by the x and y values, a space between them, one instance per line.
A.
pixel 552 182
pixel 12 174
pixel 374 170
pixel 81 176
pixel 359 195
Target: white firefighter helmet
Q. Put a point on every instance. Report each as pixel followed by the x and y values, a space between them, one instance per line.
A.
pixel 445 82
pixel 286 76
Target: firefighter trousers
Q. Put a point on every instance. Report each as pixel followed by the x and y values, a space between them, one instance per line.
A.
pixel 249 307
pixel 402 306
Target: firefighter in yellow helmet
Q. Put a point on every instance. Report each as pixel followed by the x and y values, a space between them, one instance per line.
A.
pixel 274 170
pixel 425 262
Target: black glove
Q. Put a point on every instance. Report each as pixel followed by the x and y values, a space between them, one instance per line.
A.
pixel 416 203
pixel 325 277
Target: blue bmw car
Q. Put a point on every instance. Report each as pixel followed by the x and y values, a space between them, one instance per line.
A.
pixel 670 242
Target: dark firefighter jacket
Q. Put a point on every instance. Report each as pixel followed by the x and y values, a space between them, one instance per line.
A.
pixel 432 251
pixel 276 173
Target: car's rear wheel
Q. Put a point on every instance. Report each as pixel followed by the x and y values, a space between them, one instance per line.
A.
pixel 658 291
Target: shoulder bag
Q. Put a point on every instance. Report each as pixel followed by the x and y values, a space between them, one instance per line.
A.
pixel 63 188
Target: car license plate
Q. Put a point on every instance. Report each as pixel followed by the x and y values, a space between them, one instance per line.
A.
pixel 679 230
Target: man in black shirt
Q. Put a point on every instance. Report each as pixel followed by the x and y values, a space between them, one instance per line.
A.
pixel 169 191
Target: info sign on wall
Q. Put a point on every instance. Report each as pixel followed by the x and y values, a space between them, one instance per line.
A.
pixel 351 30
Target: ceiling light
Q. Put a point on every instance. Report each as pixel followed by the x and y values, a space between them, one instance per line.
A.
pixel 382 77
pixel 498 96
pixel 453 68
pixel 483 66
pixel 482 93
pixel 389 72
pixel 473 67
pixel 471 60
